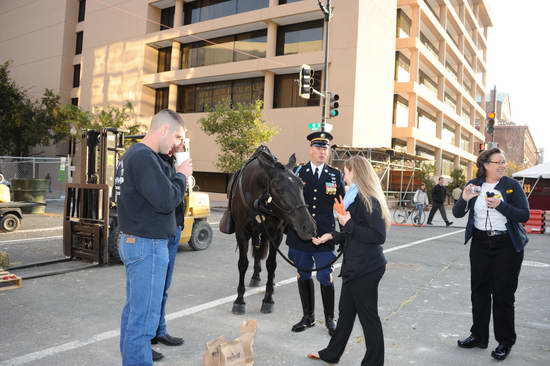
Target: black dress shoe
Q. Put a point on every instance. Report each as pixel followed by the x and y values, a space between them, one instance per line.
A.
pixel 429 223
pixel 157 356
pixel 306 322
pixel 471 342
pixel 501 352
pixel 449 223
pixel 168 340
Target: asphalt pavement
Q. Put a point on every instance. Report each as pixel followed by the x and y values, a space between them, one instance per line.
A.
pixel 424 301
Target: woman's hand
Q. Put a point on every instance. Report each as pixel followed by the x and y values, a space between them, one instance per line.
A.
pixel 343 219
pixel 467 193
pixel 323 239
pixel 493 202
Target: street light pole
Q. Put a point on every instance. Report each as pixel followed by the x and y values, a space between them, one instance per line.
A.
pixel 327 11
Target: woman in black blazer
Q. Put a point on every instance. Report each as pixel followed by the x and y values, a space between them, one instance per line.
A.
pixel 497 206
pixel 364 226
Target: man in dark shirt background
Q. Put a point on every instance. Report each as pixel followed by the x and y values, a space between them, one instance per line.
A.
pixel 439 193
pixel 147 198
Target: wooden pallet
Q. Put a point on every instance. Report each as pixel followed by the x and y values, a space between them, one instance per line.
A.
pixel 9 281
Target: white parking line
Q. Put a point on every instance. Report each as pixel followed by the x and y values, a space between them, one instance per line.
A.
pixel 15 241
pixel 33 230
pixel 22 360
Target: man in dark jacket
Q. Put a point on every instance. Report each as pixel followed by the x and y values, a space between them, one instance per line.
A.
pixel 439 193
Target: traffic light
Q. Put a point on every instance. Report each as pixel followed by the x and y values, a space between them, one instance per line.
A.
pixel 490 123
pixel 334 104
pixel 305 82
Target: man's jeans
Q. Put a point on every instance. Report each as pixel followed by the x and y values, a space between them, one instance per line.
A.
pixel 145 261
pixel 173 245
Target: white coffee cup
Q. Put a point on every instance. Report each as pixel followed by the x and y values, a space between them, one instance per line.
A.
pixel 181 156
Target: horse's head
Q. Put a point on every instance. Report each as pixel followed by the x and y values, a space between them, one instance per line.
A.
pixel 287 196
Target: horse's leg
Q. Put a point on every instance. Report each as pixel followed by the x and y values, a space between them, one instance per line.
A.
pixel 271 265
pixel 257 254
pixel 239 306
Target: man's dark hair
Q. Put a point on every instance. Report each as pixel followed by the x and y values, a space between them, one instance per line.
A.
pixel 484 158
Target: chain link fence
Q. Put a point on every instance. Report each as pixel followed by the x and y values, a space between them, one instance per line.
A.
pixel 55 170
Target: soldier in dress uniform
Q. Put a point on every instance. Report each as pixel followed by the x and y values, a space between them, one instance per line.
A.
pixel 323 183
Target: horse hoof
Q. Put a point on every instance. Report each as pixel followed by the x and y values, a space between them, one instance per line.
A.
pixel 239 309
pixel 267 308
pixel 255 282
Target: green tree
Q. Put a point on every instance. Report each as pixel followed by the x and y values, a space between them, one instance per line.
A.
pixel 238 131
pixel 458 180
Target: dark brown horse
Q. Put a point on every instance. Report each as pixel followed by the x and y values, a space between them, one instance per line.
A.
pixel 268 188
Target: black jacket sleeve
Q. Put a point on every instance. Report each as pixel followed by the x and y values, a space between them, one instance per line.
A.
pixel 460 208
pixel 364 227
pixel 519 210
pixel 163 193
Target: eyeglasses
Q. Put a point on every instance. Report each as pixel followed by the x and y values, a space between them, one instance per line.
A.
pixel 503 162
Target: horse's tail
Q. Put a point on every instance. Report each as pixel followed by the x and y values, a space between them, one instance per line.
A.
pixel 259 246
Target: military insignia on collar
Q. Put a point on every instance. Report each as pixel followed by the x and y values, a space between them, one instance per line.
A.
pixel 509 191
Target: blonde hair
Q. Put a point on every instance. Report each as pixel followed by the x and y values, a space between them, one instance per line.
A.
pixel 368 183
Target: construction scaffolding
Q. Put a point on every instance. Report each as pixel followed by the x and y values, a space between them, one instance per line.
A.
pixel 398 171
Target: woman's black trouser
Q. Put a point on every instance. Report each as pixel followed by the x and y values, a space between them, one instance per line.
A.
pixel 359 297
pixel 495 267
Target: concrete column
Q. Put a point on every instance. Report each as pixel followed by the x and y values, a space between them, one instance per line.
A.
pixel 457 162
pixel 459 103
pixel 438 162
pixel 482 117
pixel 440 118
pixel 413 110
pixel 443 15
pixel 415 21
pixel 411 146
pixel 441 88
pixel 473 147
pixel 175 60
pixel 442 52
pixel 271 44
pixel 178 14
pixel 415 66
pixel 269 89
pixel 461 43
pixel 273 3
pixel 470 171
pixel 172 97
pixel 458 135
pixel 462 13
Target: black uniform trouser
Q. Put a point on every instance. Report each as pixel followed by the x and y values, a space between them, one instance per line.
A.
pixel 495 267
pixel 359 297
pixel 438 206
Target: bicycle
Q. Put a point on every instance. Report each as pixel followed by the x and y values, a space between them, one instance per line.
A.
pixel 403 213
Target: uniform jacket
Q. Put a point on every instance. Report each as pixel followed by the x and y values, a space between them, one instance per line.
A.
pixel 514 207
pixel 319 194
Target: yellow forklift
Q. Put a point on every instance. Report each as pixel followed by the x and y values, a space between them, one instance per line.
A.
pixel 90 225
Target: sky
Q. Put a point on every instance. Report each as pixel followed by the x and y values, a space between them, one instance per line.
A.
pixel 518 64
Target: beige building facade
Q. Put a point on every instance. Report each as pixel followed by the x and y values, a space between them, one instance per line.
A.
pixel 408 72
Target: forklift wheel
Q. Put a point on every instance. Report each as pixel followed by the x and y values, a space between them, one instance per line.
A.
pixel 201 236
pixel 9 223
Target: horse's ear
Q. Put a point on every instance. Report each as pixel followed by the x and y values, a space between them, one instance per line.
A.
pixel 291 162
pixel 266 161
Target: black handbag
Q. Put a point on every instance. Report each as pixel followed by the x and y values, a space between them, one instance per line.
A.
pixel 227 224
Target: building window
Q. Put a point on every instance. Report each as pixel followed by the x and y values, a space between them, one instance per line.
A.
pixel 286 91
pixel 81 10
pixel 447 166
pixel 451 101
pixel 426 122
pixel 300 38
pixel 402 66
pixel 167 18
pixel 400 111
pixel 164 59
pixel 448 135
pixel 425 153
pixel 79 39
pixel 427 82
pixel 426 42
pixel 238 47
pixel 403 24
pixel 161 99
pixel 202 10
pixel 464 143
pixel 76 76
pixel 203 97
pixel 74 101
